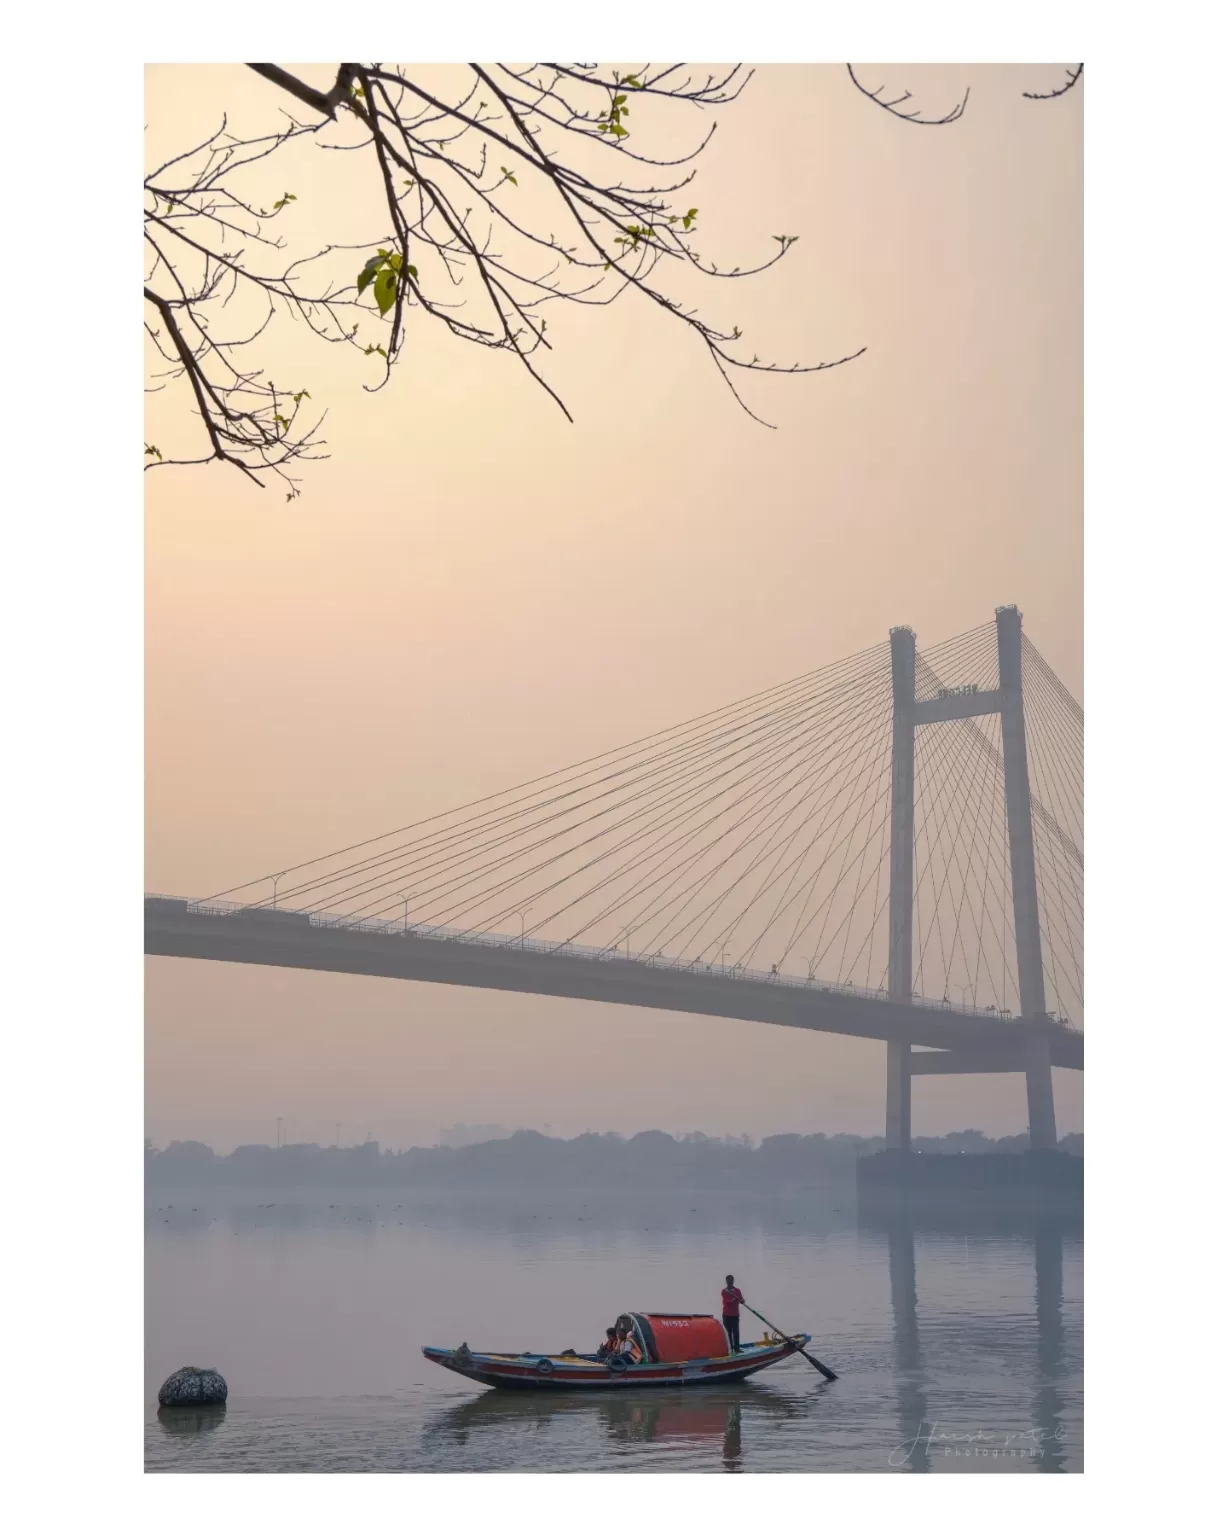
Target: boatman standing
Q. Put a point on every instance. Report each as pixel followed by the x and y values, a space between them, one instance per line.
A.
pixel 731 1300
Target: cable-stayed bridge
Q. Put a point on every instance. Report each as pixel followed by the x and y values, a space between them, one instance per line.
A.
pixel 888 847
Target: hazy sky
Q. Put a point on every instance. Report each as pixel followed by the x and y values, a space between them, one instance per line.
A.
pixel 471 591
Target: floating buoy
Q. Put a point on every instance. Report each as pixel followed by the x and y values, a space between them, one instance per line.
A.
pixel 191 1386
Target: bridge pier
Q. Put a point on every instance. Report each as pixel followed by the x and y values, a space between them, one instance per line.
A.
pixel 899 1096
pixel 1042 1120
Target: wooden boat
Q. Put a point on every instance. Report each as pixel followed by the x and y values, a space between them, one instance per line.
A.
pixel 676 1349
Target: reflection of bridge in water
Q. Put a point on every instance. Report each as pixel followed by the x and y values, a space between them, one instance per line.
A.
pixel 889 848
pixel 924 1441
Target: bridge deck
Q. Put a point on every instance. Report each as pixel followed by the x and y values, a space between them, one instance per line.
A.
pixel 264 937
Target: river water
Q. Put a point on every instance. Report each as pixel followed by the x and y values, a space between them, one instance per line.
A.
pixel 958 1341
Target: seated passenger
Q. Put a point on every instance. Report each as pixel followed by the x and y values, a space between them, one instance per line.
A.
pixel 629 1348
pixel 608 1345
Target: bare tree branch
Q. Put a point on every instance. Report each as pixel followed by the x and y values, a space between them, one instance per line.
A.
pixel 897 102
pixel 462 244
pixel 318 101
pixel 1072 79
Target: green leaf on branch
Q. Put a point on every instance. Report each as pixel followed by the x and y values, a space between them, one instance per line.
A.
pixel 507 176
pixel 286 197
pixel 612 122
pixel 382 270
pixel 150 450
pixel 385 290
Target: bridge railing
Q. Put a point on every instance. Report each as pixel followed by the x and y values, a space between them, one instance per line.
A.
pixel 398 928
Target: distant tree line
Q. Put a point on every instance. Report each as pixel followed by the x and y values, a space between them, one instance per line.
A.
pixel 651 1159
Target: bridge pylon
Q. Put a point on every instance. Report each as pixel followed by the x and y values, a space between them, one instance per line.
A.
pixel 909 714
pixel 900 899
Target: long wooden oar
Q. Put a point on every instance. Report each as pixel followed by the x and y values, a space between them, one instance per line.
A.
pixel 818 1364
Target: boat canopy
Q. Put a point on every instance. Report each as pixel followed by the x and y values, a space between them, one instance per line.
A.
pixel 669 1337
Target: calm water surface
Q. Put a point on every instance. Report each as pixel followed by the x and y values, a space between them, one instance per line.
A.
pixel 958 1342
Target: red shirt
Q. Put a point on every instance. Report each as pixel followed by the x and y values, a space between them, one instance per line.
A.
pixel 730 1298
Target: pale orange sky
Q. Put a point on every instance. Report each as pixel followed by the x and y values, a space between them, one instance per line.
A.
pixel 471 591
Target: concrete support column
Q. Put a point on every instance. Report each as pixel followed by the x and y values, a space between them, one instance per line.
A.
pixel 899 1097
pixel 1042 1117
pixel 1042 1124
pixel 900 905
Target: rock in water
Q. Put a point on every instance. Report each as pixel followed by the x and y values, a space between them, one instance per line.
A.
pixel 192 1385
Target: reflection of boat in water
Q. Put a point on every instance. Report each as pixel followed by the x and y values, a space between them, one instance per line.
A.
pixel 671 1350
pixel 714 1416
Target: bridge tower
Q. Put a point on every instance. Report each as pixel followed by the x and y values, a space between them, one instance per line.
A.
pixel 900 900
pixel 909 714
